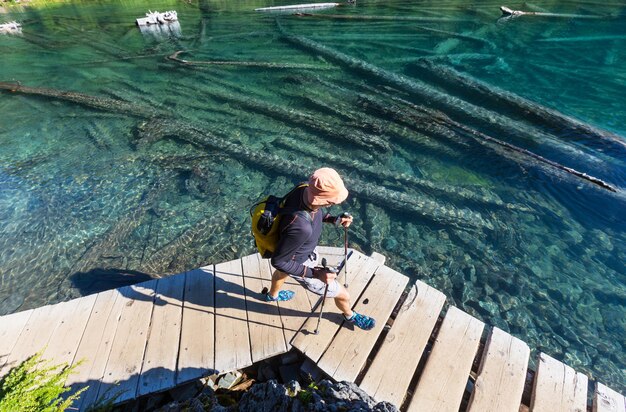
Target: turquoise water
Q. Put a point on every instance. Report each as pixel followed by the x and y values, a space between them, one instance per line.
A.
pixel 92 199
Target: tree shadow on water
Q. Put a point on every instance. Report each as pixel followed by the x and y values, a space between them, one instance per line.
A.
pixel 101 279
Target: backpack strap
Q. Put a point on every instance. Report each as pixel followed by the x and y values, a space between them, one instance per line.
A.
pixel 287 210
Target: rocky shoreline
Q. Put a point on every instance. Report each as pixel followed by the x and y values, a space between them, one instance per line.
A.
pixel 276 397
pixel 283 383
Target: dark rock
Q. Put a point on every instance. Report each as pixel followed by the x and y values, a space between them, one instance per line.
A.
pixel 323 397
pixel 269 396
pixel 170 407
pixel 266 373
pixel 289 373
pixel 195 405
pixel 184 392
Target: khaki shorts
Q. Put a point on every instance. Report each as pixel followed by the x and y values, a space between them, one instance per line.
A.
pixel 315 285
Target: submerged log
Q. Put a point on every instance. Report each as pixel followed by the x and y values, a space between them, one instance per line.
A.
pixel 386 198
pixel 436 189
pixel 116 235
pixel 528 109
pixel 94 102
pixel 304 120
pixel 540 159
pixel 432 97
pixel 174 57
pixel 463 110
pixel 515 13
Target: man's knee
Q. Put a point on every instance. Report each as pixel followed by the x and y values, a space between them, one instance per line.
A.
pixel 278 275
pixel 343 294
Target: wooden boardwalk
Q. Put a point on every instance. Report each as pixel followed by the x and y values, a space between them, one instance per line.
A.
pixel 155 335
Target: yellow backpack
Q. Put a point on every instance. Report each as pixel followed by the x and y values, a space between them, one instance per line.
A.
pixel 266 221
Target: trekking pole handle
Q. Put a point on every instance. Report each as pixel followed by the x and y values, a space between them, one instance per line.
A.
pixel 328 268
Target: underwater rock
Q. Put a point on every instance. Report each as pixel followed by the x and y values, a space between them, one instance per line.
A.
pixel 602 239
pixel 506 301
pixel 614 319
pixel 519 319
pixel 490 308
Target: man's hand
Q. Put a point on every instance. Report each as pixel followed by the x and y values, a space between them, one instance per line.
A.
pixel 345 219
pixel 326 275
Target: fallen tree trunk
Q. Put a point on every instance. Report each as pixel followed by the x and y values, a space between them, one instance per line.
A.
pixel 438 190
pixel 94 102
pixel 304 120
pixel 529 109
pixel 434 97
pixel 515 13
pixel 421 207
pixel 174 57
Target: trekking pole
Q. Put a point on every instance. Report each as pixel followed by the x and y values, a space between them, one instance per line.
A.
pixel 319 319
pixel 345 252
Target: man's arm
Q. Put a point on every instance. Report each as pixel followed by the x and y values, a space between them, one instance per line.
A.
pixel 292 237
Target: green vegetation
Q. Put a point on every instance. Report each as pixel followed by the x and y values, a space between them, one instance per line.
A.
pixel 36 386
pixel 306 395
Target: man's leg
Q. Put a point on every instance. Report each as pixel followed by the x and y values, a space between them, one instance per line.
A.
pixel 278 279
pixel 342 300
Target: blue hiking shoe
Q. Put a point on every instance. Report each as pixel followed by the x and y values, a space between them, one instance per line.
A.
pixel 283 295
pixel 361 321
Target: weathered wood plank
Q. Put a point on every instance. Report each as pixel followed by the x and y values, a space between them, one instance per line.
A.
pixel 390 374
pixel 124 365
pixel 266 329
pixel 379 257
pixel 502 374
pixel 606 399
pixel 35 334
pixel 159 364
pixel 443 381
pixel 65 339
pixel 232 340
pixel 295 312
pixel 558 388
pixel 197 341
pixel 313 346
pixel 95 346
pixel 11 327
pixel 348 351
pixel 334 255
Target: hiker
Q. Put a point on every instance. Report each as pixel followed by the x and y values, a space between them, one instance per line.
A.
pixel 295 254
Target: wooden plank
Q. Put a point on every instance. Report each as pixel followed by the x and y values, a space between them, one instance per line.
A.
pixel 95 346
pixel 266 329
pixel 295 312
pixel 64 342
pixel 313 346
pixel 348 352
pixel 159 364
pixel 607 400
pixel 11 327
pixel 122 370
pixel 502 374
pixel 35 334
pixel 443 381
pixel 334 255
pixel 558 388
pixel 232 340
pixel 379 257
pixel 390 374
pixel 197 340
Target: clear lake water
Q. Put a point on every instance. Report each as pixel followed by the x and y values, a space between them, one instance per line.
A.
pixel 403 98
